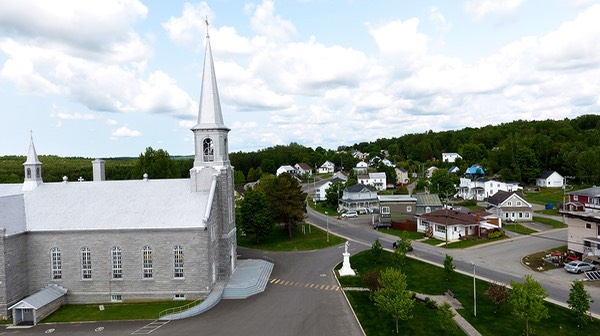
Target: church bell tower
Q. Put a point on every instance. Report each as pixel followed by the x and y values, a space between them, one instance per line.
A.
pixel 33 169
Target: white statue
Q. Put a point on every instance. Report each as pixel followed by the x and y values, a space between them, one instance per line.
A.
pixel 346 246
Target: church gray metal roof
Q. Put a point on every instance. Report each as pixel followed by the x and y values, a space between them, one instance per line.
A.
pixel 132 204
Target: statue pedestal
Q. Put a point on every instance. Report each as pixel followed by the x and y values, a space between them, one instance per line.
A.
pixel 346 269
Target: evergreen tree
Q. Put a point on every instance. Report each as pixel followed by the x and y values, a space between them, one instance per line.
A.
pixel 376 251
pixel 287 200
pixel 448 266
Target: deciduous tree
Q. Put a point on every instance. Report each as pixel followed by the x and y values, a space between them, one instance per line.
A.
pixel 403 245
pixel 393 298
pixel 579 302
pixel 255 216
pixel 287 200
pixel 527 301
pixel 445 315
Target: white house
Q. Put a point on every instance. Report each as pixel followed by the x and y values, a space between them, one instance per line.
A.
pixel 448 225
pixel 361 168
pixel 286 169
pixel 326 167
pixel 429 171
pixel 482 188
pixel 387 162
pixel 303 169
pixel 510 206
pixel 359 197
pixel 377 180
pixel 450 157
pixel 550 179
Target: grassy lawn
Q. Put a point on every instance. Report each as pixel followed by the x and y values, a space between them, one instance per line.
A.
pixel 412 235
pixel 552 212
pixel 472 242
pixel 432 241
pixel 518 228
pixel 545 195
pixel 322 208
pixel 312 238
pixel 373 323
pixel 548 221
pixel 112 311
pixel 428 279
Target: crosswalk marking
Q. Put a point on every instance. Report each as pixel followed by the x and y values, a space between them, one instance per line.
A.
pixel 277 281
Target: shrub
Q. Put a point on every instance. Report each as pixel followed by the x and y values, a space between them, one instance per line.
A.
pixel 496 234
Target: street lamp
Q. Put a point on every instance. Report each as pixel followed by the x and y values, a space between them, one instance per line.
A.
pixel 474 292
pixel 327 216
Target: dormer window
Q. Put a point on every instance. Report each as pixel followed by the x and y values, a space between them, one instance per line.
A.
pixel 208 150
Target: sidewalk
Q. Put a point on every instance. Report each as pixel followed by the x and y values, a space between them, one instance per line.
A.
pixel 463 324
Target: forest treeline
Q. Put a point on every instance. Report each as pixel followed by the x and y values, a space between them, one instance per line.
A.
pixel 518 151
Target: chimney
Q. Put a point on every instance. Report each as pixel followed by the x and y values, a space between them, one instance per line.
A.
pixel 99 170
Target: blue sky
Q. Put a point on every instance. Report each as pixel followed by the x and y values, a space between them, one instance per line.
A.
pixel 110 78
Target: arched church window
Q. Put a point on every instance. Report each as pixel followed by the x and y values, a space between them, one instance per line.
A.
pixel 37 172
pixel 28 172
pixel 86 263
pixel 147 262
pixel 56 262
pixel 208 150
pixel 226 154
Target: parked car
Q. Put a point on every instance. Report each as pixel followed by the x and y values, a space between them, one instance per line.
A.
pixel 579 266
pixel 350 214
pixel 378 226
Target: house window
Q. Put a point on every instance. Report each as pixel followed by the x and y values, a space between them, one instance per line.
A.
pixel 518 203
pixel 588 226
pixel 575 198
pixel 178 262
pixel 598 230
pixel 116 298
pixel 520 215
pixel 506 215
pixel 427 209
pixel 56 263
pixel 178 296
pixel 147 262
pixel 509 203
pixel 117 262
pixel 440 228
pixel 587 243
pixel 86 263
pixel 208 149
pixel 409 208
pixel 527 215
pixel 385 210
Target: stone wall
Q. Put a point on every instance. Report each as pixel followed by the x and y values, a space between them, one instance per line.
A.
pixel 14 283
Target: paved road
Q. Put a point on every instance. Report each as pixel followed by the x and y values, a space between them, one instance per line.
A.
pixel 302 299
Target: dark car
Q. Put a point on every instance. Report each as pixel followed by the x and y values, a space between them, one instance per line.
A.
pixel 378 226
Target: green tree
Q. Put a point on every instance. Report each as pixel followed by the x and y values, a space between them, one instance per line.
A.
pixel 287 200
pixel 445 315
pixel 403 245
pixel 255 216
pixel 376 251
pixel 333 193
pixel 156 163
pixel 239 178
pixel 393 298
pixel 448 266
pixel 527 164
pixel 442 183
pixel 579 302
pixel 527 301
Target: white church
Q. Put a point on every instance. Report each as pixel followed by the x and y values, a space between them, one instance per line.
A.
pixel 101 241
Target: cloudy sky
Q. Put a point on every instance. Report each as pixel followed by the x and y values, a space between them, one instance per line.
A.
pixel 109 78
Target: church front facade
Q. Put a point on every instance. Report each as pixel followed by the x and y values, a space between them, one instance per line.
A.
pixel 121 241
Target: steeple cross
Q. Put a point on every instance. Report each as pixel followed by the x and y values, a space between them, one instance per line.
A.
pixel 206 21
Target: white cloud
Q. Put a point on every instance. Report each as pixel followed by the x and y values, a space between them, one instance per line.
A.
pixel 65 115
pixel 124 132
pixel 111 122
pixel 190 28
pixel 478 9
pixel 265 22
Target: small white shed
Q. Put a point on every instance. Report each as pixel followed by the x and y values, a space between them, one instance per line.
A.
pixel 36 307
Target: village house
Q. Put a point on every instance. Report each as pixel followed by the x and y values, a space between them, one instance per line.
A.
pixel 582 215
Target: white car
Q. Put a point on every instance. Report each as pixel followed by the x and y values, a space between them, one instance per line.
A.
pixel 350 214
pixel 579 266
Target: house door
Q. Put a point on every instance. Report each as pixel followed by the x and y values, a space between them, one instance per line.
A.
pixel 26 316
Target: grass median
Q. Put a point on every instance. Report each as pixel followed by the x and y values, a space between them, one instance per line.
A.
pixel 428 279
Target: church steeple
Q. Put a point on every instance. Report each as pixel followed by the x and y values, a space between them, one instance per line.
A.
pixel 33 168
pixel 210 134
